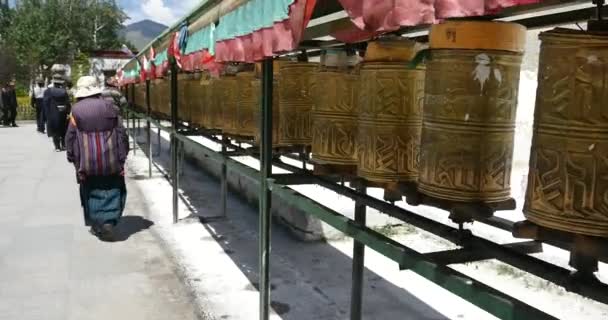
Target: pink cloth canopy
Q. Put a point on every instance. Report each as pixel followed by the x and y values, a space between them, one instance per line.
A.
pixel 389 15
pixel 281 37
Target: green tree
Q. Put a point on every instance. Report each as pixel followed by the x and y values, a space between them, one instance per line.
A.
pixel 44 32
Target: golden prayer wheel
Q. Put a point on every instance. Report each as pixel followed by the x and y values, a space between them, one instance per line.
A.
pixel 390 114
pixel 194 95
pixel 334 116
pixel 164 98
pixel 226 96
pixel 567 185
pixel 472 81
pixel 140 96
pixel 256 86
pixel 183 101
pixel 200 93
pixel 214 104
pixel 156 95
pixel 295 103
pixel 248 101
pixel 206 101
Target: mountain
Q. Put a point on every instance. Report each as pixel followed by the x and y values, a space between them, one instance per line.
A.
pixel 142 32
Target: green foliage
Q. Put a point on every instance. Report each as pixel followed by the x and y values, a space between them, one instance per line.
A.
pixel 25 110
pixel 45 32
pixel 81 66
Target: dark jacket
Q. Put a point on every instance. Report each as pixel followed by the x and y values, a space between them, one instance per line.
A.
pixel 95 115
pixel 57 117
pixel 9 98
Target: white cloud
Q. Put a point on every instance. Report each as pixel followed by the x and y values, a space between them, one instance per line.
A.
pixel 163 11
pixel 158 11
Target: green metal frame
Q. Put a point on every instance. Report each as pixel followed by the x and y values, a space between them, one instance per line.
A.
pixel 489 299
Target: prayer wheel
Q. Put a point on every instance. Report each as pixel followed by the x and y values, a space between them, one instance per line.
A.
pixel 226 96
pixel 472 81
pixel 140 97
pixel 334 116
pixel 256 86
pixel 248 100
pixel 183 100
pixel 159 100
pixel 163 88
pixel 194 97
pixel 567 185
pixel 154 103
pixel 295 103
pixel 206 101
pixel 389 113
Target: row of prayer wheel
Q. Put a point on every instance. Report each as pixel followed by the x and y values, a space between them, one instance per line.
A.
pixel 447 124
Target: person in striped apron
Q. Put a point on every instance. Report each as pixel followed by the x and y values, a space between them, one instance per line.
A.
pixel 97 144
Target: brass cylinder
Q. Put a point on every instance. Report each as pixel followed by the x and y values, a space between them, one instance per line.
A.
pixel 334 117
pixel 295 103
pixel 140 97
pixel 390 121
pixel 183 100
pixel 469 116
pixel 206 101
pixel 227 101
pixel 154 96
pixel 567 181
pixel 194 97
pixel 247 102
pixel 256 86
pixel 214 107
pixel 164 97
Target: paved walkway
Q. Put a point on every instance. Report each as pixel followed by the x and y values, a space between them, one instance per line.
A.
pixel 51 268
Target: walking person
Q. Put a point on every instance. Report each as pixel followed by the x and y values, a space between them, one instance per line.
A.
pixel 57 107
pixel 98 145
pixel 37 102
pixel 9 102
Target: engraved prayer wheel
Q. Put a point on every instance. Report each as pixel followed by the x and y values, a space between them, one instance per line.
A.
pixel 214 108
pixel 256 86
pixel 210 119
pixel 567 181
pixel 390 115
pixel 163 87
pixel 154 97
pixel 248 100
pixel 334 116
pixel 183 101
pixel 295 103
pixel 140 96
pixel 472 81
pixel 194 97
pixel 226 96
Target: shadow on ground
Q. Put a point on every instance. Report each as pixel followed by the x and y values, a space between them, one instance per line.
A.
pixel 310 280
pixel 129 226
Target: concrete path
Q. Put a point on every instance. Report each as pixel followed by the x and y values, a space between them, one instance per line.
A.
pixel 51 268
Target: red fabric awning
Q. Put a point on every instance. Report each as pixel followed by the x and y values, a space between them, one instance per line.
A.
pixel 281 37
pixel 382 16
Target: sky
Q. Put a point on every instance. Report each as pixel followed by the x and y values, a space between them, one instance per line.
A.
pixel 166 12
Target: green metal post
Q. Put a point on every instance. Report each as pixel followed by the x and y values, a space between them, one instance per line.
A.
pixel 356 299
pixel 265 194
pixel 174 141
pixel 134 135
pixel 149 129
pixel 224 179
pixel 126 110
pixel 159 142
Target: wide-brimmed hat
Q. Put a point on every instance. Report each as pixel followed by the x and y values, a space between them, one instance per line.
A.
pixel 57 78
pixel 87 86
